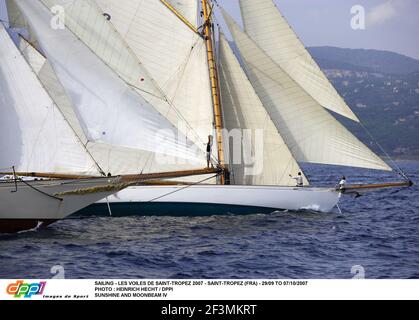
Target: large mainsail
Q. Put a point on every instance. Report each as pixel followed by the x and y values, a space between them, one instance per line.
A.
pixel 311 133
pixel 114 113
pixel 272 161
pixel 271 32
pixel 114 159
pixel 34 134
pixel 172 54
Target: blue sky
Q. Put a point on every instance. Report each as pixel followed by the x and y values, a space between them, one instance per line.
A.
pixel 390 25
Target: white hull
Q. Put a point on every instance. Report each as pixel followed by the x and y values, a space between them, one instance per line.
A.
pixel 30 205
pixel 276 198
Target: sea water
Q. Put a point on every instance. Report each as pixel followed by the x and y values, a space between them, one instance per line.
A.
pixel 376 235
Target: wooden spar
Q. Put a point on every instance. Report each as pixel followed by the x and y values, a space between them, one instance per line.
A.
pixel 214 85
pixel 125 178
pixel 365 187
pixel 170 175
pixel 180 16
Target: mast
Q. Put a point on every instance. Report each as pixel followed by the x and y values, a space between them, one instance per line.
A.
pixel 215 90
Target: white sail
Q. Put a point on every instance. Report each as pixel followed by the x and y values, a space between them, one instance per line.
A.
pixel 174 56
pixel 273 162
pixel 110 159
pixel 15 18
pixel 112 114
pixel 84 19
pixel 187 8
pixel 90 24
pixel 34 135
pixel 34 58
pixel 272 33
pixel 311 133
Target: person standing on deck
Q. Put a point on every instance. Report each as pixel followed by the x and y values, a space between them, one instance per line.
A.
pixel 299 180
pixel 342 183
pixel 209 152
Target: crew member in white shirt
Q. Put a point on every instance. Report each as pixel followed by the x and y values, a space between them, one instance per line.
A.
pixel 299 179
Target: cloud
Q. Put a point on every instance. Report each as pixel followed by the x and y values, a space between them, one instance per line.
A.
pixel 386 11
pixel 381 13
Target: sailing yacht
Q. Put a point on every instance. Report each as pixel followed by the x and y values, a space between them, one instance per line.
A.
pixel 47 171
pixel 37 138
pixel 271 83
pixel 115 63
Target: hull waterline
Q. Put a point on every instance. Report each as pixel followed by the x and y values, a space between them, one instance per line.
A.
pixel 212 200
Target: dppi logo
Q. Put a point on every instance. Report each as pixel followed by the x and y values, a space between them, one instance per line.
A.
pixel 20 289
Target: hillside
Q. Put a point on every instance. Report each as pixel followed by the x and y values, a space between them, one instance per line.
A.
pixel 364 60
pixel 383 90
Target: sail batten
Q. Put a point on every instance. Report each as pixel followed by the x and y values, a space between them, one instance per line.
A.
pixel 311 133
pixel 271 32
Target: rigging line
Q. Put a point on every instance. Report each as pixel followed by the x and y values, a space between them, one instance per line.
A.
pixel 182 71
pixel 398 169
pixel 182 189
pixel 164 97
pixel 85 43
pixel 40 191
pixel 180 16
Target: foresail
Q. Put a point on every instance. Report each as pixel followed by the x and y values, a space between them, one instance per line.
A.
pixel 84 19
pixel 311 133
pixel 110 159
pixel 112 113
pixel 173 55
pixel 272 33
pixel 34 135
pixel 271 161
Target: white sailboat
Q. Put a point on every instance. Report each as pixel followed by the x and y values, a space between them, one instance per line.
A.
pixel 153 54
pixel 278 87
pixel 35 136
pixel 47 171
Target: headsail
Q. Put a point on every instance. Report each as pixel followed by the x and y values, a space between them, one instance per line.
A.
pixel 311 133
pixel 272 161
pixel 173 55
pixel 114 159
pixel 84 19
pixel 114 114
pixel 34 134
pixel 272 33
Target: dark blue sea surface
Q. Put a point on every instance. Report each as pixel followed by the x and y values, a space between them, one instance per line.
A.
pixel 379 231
